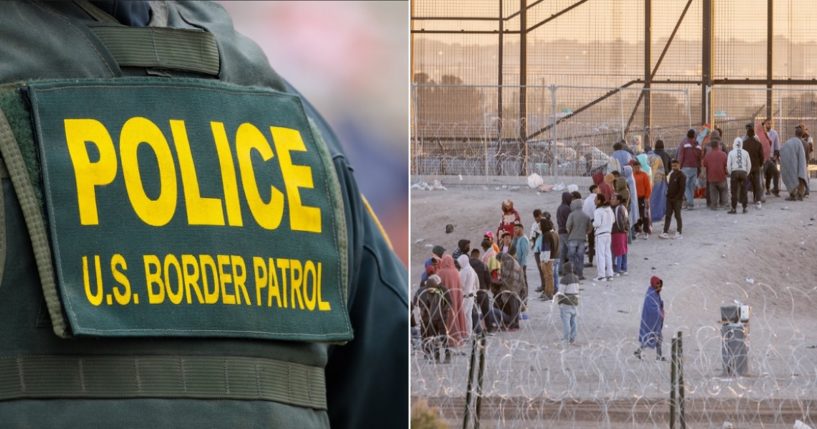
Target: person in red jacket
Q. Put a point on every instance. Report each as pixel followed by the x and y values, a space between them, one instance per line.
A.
pixel 643 191
pixel 509 217
pixel 604 187
pixel 689 157
pixel 714 165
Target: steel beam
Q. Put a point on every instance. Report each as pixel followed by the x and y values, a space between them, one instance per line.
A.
pixel 523 81
pixel 424 31
pixel 648 73
pixel 769 55
pixel 585 107
pixel 556 15
pixel 500 63
pixel 452 18
pixel 706 62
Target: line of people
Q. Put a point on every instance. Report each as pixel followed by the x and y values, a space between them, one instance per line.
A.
pixel 487 287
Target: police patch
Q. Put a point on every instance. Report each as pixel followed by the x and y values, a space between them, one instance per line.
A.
pixel 190 208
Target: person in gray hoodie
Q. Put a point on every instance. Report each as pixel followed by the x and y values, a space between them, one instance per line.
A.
pixel 738 165
pixel 578 223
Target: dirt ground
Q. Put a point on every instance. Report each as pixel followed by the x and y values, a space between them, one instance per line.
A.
pixel 766 258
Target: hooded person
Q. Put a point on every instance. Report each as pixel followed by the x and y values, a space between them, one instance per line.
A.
pixel 568 299
pixel 665 158
pixel 793 166
pixel 632 205
pixel 618 235
pixel 578 225
pixel 434 304
pixel 470 284
pixel 603 224
pixel 652 319
pixel 658 198
pixel 561 222
pixel 513 283
pixel 621 188
pixel 621 155
pixel 431 264
pixel 509 217
pixel 604 188
pixel 738 166
pixel 451 280
pixel 644 161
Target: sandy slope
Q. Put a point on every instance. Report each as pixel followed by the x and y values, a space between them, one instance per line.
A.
pixel 766 258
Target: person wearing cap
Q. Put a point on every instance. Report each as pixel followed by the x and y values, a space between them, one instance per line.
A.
pixel 689 156
pixel 489 235
pixel 755 149
pixel 738 165
pixel 431 264
pixel 676 181
pixel 714 166
pixel 652 320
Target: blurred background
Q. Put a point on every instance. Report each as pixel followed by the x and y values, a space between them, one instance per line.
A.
pixel 349 59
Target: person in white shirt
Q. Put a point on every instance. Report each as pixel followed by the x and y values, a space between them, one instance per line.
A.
pixel 470 284
pixel 603 224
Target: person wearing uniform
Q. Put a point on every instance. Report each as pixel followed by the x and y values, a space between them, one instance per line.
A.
pixel 184 243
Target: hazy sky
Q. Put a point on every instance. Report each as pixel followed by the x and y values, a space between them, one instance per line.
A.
pixel 608 20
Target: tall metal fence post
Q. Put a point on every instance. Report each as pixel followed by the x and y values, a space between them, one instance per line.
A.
pixel 468 390
pixel 553 133
pixel 681 410
pixel 621 114
pixel 416 131
pixel 689 110
pixel 480 374
pixel 673 385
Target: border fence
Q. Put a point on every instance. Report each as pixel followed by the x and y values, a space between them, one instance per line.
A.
pixel 512 87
